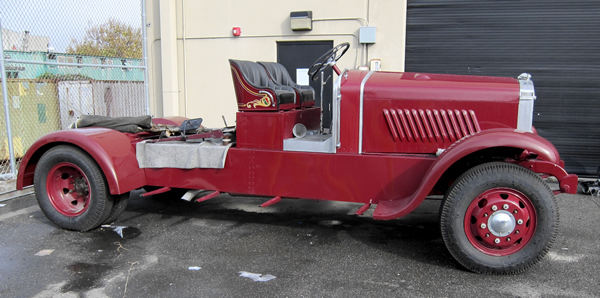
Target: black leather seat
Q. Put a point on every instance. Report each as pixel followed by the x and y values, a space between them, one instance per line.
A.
pixel 281 76
pixel 255 91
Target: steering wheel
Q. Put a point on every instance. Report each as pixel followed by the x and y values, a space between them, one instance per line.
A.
pixel 328 60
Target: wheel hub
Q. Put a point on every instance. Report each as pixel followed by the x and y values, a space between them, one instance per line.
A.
pixel 68 189
pixel 501 223
pixel 81 186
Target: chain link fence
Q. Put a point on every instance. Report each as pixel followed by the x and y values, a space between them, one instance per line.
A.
pixel 64 58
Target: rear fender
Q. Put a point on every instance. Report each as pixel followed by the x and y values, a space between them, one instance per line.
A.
pixel 500 137
pixel 112 150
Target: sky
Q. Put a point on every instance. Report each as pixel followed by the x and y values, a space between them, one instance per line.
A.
pixel 62 20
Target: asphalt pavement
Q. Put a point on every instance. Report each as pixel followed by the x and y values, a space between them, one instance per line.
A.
pixel 230 247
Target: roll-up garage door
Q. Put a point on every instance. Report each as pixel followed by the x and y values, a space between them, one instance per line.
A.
pixel 557 42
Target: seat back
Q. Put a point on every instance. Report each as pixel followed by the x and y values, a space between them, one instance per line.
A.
pixel 278 73
pixel 280 76
pixel 255 91
pixel 254 73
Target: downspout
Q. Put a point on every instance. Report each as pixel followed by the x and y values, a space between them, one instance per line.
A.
pixel 366 47
pixel 403 36
pixel 145 57
pixel 185 94
pixel 168 57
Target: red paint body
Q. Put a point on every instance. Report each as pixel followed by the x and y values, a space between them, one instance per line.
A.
pixel 339 177
pixel 494 102
pixel 406 118
pixel 268 130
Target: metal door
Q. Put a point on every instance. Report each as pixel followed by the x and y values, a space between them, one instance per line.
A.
pixel 554 40
pixel 297 57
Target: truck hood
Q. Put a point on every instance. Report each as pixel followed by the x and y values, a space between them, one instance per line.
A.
pixel 423 113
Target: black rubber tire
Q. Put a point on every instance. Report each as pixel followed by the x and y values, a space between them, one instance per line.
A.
pixel 100 201
pixel 119 204
pixel 489 176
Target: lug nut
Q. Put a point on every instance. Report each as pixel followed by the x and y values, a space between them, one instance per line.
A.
pixel 485 215
pixel 487 235
pixel 517 232
pixel 515 212
pixel 494 207
pixel 483 226
pixel 520 221
pixel 497 240
pixel 505 206
pixel 508 239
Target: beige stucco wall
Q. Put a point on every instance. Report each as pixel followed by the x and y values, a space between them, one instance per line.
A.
pixel 203 43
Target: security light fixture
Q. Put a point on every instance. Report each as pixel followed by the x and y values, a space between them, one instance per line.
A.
pixel 301 20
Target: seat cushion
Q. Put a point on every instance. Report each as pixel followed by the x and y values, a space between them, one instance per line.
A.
pixel 285 96
pixel 307 95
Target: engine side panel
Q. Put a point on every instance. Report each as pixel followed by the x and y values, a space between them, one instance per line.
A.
pixel 421 113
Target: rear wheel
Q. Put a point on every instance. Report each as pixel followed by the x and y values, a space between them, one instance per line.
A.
pixel 119 204
pixel 499 218
pixel 71 189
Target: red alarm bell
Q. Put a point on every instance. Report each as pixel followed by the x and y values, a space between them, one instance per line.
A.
pixel 236 31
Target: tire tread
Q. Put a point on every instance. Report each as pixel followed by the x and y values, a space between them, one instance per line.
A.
pixel 496 170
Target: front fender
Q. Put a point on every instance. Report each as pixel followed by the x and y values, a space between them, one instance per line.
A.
pixel 500 137
pixel 112 150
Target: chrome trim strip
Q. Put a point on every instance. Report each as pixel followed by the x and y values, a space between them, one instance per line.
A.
pixel 526 99
pixel 360 121
pixel 337 91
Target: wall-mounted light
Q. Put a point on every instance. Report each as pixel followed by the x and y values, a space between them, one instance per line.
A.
pixel 301 20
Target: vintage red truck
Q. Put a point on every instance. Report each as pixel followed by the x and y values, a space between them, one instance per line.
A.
pixel 395 139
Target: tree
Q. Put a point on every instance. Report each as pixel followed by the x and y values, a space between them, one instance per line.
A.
pixel 111 39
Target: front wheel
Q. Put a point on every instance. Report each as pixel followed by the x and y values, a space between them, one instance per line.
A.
pixel 499 218
pixel 71 189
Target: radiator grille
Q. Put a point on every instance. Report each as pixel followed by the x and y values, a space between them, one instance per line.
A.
pixel 435 126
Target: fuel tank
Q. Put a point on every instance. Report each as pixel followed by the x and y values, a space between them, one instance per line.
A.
pixel 423 113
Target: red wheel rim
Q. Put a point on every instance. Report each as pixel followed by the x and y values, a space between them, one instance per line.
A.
pixel 68 189
pixel 500 221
